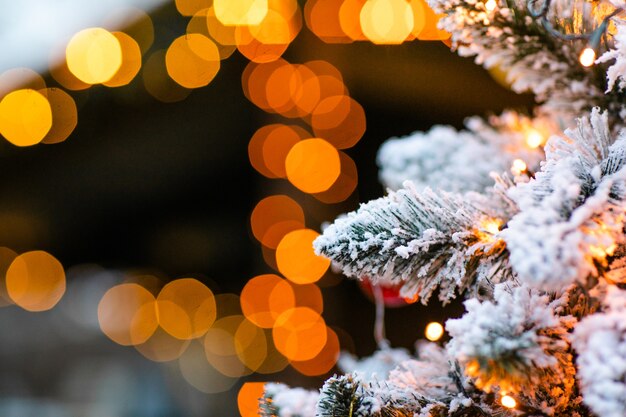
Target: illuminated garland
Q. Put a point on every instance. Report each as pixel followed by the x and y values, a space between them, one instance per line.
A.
pixel 539 10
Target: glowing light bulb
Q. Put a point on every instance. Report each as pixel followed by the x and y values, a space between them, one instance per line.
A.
pixel 491 5
pixel 434 331
pixel 518 167
pixel 491 226
pixel 587 57
pixel 534 139
pixel 508 401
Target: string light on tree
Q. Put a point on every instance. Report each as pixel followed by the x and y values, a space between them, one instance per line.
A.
pixel 434 331
pixel 587 57
pixel 534 139
pixel 508 401
pixel 518 167
pixel 491 5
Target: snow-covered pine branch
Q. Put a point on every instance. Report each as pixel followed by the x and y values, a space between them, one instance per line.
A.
pixel 424 240
pixel 461 161
pixel 572 213
pixel 349 395
pixel 517 344
pixel 281 401
pixel 535 60
pixel 374 367
pixel 616 73
pixel 600 341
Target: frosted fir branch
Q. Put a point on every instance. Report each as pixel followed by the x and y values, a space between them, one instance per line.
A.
pixel 600 341
pixel 572 214
pixel 351 396
pixel 430 374
pixel 616 73
pixel 281 401
pixel 534 60
pixel 428 386
pixel 376 366
pixel 423 240
pixel 461 161
pixel 517 344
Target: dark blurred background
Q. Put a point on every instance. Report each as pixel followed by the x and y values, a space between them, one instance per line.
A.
pixel 168 189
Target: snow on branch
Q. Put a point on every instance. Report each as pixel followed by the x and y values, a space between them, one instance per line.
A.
pixel 534 60
pixel 281 401
pixel 616 73
pixel 516 344
pixel 424 240
pixel 375 367
pixel 600 341
pixel 572 214
pixel 461 161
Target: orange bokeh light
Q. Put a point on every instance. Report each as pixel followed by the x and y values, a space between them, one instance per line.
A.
pixel 270 145
pixel 322 18
pixel 240 12
pixel 429 31
pixel 131 61
pixel 186 308
pixel 157 81
pixel 274 217
pixel 94 55
pixel 273 30
pixel 64 115
pixel 62 74
pixel 296 259
pixel 349 19
pixel 250 345
pixel 300 334
pixel 313 165
pixel 345 184
pixel 255 50
pixel 248 398
pixel 254 81
pixel 278 88
pixel 221 346
pixel 305 91
pixel 127 314
pixel 277 145
pixel 191 7
pixel 25 117
pixel 162 347
pixel 387 21
pixel 419 16
pixel 35 281
pixel 224 35
pixel 308 295
pixel 324 361
pixel 264 298
pixel 340 120
pixel 192 60
pixel 205 24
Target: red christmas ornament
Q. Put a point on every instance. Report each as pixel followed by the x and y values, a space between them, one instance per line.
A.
pixel 391 293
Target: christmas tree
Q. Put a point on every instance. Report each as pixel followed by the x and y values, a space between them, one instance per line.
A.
pixel 531 235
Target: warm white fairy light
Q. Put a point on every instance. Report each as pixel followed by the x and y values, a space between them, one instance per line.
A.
pixel 587 57
pixel 534 139
pixel 491 226
pixel 508 401
pixel 434 331
pixel 491 5
pixel 518 167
